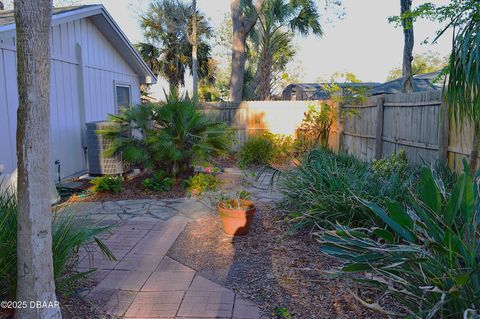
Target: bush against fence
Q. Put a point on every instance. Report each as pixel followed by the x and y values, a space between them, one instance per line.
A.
pixel 416 122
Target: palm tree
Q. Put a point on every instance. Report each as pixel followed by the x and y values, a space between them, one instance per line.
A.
pixel 151 55
pixel 273 37
pixel 282 52
pixel 167 26
pixel 407 24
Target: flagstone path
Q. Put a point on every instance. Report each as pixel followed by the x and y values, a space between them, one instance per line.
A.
pixel 143 282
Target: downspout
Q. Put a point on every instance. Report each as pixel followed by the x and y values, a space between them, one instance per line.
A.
pixel 81 100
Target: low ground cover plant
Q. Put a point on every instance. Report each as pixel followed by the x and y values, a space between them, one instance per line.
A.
pixel 69 233
pixel 325 187
pixel 201 183
pixel 158 182
pixel 107 184
pixel 426 257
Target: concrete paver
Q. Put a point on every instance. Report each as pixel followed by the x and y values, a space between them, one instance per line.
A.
pixel 143 282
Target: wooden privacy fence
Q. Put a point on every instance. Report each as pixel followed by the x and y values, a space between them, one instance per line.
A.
pixel 416 122
pixel 254 117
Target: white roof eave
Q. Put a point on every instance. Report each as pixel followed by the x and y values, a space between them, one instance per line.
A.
pixel 147 75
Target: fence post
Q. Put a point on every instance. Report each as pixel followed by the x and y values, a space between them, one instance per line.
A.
pixel 340 127
pixel 444 133
pixel 379 130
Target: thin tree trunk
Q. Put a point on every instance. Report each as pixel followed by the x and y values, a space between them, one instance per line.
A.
pixel 241 27
pixel 407 23
pixel 475 147
pixel 34 237
pixel 194 50
pixel 251 90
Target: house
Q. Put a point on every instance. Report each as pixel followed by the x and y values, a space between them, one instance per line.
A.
pixel 94 71
pixel 421 83
pixel 316 91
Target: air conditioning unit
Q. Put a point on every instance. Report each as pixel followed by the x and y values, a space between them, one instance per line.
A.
pixel 98 163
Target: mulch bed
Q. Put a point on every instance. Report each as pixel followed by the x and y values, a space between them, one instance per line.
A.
pixel 75 307
pixel 131 189
pixel 270 267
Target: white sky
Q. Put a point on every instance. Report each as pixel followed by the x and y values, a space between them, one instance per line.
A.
pixel 363 42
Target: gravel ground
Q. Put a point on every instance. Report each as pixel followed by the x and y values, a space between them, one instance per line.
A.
pixel 270 267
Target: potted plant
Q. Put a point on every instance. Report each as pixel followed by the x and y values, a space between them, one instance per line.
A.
pixel 236 213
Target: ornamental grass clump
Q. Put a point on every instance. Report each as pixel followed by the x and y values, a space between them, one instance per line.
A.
pixel 69 234
pixel 324 188
pixel 427 258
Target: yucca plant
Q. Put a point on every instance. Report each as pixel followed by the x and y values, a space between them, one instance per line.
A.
pixel 69 234
pixel 427 258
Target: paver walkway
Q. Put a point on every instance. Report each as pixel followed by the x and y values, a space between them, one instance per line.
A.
pixel 143 282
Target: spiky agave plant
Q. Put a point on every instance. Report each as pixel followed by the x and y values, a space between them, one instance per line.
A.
pixel 427 258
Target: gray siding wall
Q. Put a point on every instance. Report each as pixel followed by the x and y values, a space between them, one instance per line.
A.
pixel 76 79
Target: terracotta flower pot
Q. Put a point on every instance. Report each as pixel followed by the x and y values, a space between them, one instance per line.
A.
pixel 236 222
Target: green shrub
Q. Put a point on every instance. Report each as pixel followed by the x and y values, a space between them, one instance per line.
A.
pixel 426 258
pixel 257 150
pixel 394 164
pixel 172 135
pixel 69 233
pixel 201 183
pixel 283 147
pixel 107 184
pixel 323 190
pixel 159 182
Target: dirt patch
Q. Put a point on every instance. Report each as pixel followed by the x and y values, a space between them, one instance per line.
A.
pixel 280 272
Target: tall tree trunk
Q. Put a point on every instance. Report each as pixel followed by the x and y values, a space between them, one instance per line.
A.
pixel 407 23
pixel 265 66
pixel 241 27
pixel 34 237
pixel 194 50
